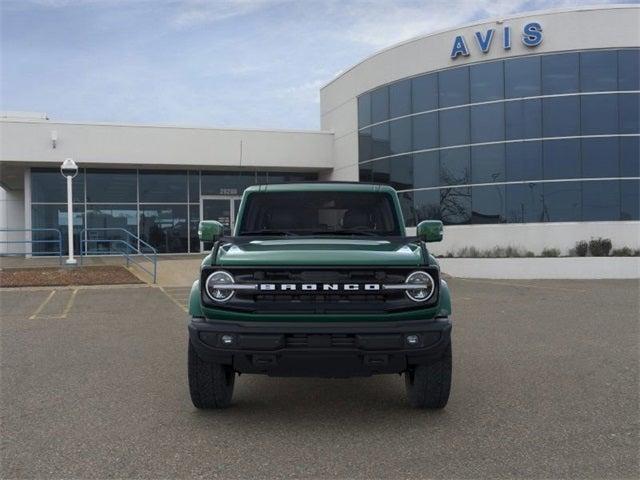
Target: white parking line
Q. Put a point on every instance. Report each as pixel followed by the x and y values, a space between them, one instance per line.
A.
pixel 42 305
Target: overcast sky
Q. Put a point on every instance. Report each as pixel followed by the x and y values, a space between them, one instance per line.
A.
pixel 227 63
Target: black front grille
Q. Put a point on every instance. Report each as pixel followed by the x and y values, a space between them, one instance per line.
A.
pixel 320 341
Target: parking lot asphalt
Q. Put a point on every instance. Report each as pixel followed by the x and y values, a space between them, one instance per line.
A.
pixel 545 385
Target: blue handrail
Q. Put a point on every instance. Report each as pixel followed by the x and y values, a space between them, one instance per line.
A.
pixel 32 241
pixel 129 252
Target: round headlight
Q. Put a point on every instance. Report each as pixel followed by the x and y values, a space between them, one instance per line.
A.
pixel 215 286
pixel 425 286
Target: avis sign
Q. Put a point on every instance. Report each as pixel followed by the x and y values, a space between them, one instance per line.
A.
pixel 531 36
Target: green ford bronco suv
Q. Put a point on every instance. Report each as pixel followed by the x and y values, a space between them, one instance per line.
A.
pixel 320 280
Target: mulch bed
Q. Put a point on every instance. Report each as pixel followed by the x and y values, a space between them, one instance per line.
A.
pixel 55 276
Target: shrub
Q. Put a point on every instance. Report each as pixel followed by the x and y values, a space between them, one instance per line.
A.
pixel 625 252
pixel 581 248
pixel 550 252
pixel 600 247
pixel 529 253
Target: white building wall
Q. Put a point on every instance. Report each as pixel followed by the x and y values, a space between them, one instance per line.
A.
pixel 11 217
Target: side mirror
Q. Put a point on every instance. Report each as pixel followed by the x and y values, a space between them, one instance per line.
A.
pixel 210 230
pixel 429 231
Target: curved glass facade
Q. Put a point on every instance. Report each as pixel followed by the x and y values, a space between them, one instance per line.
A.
pixel 541 138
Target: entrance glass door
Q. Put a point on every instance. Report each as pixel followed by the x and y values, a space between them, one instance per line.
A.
pixel 222 209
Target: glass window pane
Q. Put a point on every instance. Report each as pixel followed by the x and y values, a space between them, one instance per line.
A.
pixel 522 77
pixel 455 166
pixel 487 164
pixel 194 220
pixel 523 161
pixel 54 216
pixel 487 81
pixel 487 123
pixel 380 105
pixel 400 98
pixel 117 186
pixel 630 157
pixel 630 200
pixel 230 183
pixel 364 110
pixel 629 69
pixel 286 177
pixel 599 71
pixel 629 113
pixel 406 205
pixel 380 141
pixel 600 157
pixel 194 186
pixel 163 186
pixel 401 172
pixel 561 116
pixel 381 170
pixel 560 73
pixel 600 200
pixel 453 87
pixel 599 114
pixel 524 203
pixel 523 119
pixel 114 218
pixel 365 145
pixel 454 127
pixel 400 135
pixel 365 172
pixel 426 204
pixel 426 169
pixel 561 159
pixel 424 93
pixel 488 204
pixel 165 227
pixel 425 131
pixel 562 202
pixel 48 185
pixel 455 205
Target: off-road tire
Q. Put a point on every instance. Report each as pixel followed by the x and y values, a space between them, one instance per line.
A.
pixel 210 384
pixel 428 385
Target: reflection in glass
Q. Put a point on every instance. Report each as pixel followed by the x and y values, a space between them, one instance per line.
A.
pixel 522 77
pixel 163 186
pixel 487 164
pixel 194 186
pixel 366 172
pixel 600 200
pixel 561 202
pixel 380 140
pixel 560 73
pixel 523 161
pixel 427 205
pixel 455 205
pixel 426 169
pixel 599 114
pixel 400 98
pixel 487 81
pixel 630 157
pixel 49 186
pixel 629 69
pixel 380 104
pixel 524 203
pixel 561 159
pixel 365 145
pixel 114 218
pixel 401 172
pixel 455 167
pixel 425 131
pixel 487 123
pixel 364 110
pixel 454 87
pixel 454 127
pixel 629 113
pixel 165 227
pixel 112 186
pixel 630 200
pixel 488 204
pixel 194 221
pixel 561 116
pixel 599 71
pixel 381 170
pixel 400 135
pixel 424 92
pixel 523 119
pixel 54 216
pixel 406 205
pixel 600 157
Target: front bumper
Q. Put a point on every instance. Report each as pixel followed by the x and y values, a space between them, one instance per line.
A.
pixel 320 349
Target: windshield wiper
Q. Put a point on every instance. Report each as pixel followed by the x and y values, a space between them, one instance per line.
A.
pixel 268 231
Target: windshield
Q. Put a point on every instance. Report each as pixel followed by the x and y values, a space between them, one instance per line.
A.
pixel 319 213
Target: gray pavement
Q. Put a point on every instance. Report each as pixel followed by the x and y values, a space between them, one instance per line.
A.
pixel 545 386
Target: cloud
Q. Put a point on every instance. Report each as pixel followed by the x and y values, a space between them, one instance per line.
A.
pixel 199 12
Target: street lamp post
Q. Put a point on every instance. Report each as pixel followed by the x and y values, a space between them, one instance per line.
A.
pixel 69 169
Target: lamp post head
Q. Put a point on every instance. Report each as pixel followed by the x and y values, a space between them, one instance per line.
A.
pixel 69 168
